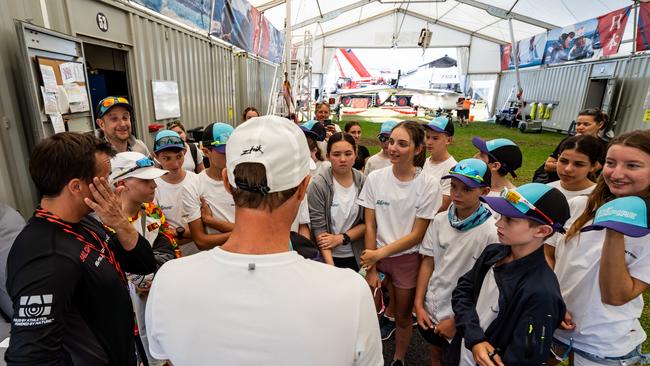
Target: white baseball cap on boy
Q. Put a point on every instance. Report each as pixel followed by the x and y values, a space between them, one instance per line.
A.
pixel 131 164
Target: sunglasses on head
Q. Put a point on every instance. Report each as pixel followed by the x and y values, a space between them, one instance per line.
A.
pixel 169 140
pixel 383 138
pixel 466 171
pixel 108 102
pixel 139 164
pixel 515 197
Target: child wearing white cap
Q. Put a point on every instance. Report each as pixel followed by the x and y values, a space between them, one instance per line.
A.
pixel 135 174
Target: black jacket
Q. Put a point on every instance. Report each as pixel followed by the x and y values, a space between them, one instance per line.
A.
pixel 530 308
pixel 71 306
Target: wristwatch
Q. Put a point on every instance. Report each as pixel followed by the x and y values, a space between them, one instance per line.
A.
pixel 179 232
pixel 346 239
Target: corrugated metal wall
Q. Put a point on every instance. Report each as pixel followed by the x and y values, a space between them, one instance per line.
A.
pixel 202 68
pixel 634 76
pixel 564 84
pixel 254 83
pixel 568 85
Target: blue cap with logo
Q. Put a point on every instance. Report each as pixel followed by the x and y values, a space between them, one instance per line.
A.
pixel 534 201
pixel 387 128
pixel 441 124
pixel 215 136
pixel 473 172
pixel 502 150
pixel 168 139
pixel 314 129
pixel 627 215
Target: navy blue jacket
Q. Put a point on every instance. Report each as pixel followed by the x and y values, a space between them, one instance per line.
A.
pixel 530 308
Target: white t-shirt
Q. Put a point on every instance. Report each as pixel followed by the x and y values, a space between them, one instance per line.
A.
pixel 343 212
pixel 397 204
pixel 302 217
pixel 169 197
pixel 454 253
pixel 285 312
pixel 571 194
pixel 376 162
pixel 603 330
pixel 213 191
pixel 188 163
pixel 487 308
pixel 439 170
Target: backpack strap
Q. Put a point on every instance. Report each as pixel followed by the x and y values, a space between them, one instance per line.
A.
pixel 194 152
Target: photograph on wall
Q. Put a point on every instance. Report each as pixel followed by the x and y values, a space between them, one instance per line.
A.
pixel 239 23
pixel 192 12
pixel 571 43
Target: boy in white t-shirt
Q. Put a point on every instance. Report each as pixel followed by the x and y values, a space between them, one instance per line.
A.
pixel 508 305
pixel 208 209
pixel 169 151
pixel 440 134
pixel 451 245
pixel 380 159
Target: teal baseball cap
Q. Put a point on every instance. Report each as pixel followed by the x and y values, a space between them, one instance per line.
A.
pixel 534 201
pixel 627 215
pixel 387 128
pixel 473 172
pixel 168 139
pixel 441 124
pixel 314 129
pixel 216 134
pixel 502 150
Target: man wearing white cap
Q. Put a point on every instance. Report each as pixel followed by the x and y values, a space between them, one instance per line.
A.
pixel 136 173
pixel 254 300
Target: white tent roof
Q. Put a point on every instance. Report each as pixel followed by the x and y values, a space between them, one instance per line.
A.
pixel 531 17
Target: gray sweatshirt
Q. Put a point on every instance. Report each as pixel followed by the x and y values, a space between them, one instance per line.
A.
pixel 319 197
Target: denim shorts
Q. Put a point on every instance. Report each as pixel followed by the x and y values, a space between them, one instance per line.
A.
pixel 561 351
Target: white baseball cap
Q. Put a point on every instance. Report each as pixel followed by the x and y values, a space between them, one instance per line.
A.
pixel 131 164
pixel 275 142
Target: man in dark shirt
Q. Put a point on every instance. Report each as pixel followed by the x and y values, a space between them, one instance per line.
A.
pixel 65 271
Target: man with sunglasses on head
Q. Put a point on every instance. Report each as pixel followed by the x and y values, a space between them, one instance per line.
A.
pixel 66 270
pixel 207 208
pixel 114 122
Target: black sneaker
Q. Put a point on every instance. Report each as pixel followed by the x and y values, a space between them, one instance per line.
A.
pixel 397 363
pixel 386 328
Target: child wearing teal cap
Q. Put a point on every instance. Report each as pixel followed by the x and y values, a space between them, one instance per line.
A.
pixel 381 159
pixel 603 273
pixel 440 134
pixel 451 243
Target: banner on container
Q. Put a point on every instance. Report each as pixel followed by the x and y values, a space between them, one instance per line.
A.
pixel 530 52
pixel 195 13
pixel 239 23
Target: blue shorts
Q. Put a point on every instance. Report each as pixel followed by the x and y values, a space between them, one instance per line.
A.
pixel 562 350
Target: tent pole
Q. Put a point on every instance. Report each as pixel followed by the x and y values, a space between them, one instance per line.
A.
pixel 636 16
pixel 514 53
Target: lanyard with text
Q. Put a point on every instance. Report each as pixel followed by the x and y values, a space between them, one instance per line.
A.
pixel 105 250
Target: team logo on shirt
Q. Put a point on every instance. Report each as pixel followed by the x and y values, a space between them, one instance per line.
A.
pixel 34 310
pixel 382 203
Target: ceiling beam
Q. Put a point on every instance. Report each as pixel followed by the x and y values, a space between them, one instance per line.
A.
pixel 513 15
pixel 412 14
pixel 332 14
pixel 451 26
pixel 271 4
pixel 351 25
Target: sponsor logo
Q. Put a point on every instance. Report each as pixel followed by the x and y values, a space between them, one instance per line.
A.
pixel 252 149
pixel 166 207
pixel 631 254
pixel 611 211
pixel 382 203
pixel 34 310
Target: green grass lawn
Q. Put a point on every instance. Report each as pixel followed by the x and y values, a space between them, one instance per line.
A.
pixel 535 147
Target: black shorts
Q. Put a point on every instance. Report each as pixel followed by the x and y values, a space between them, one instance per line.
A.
pixel 462 113
pixel 346 262
pixel 433 338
